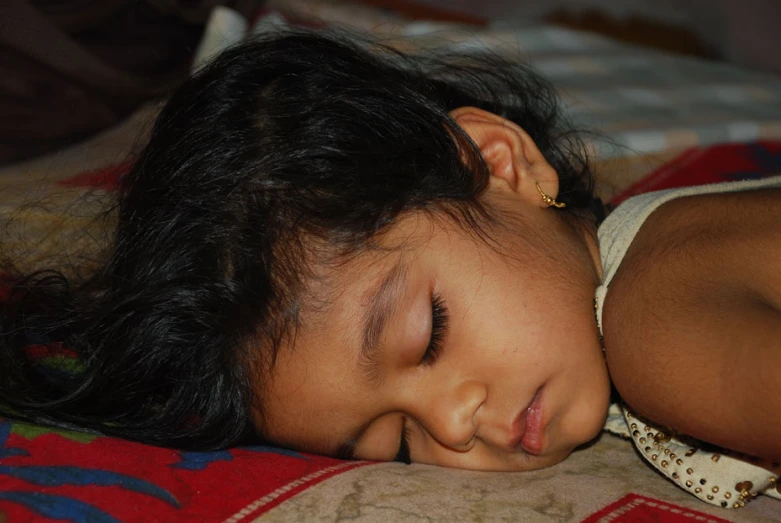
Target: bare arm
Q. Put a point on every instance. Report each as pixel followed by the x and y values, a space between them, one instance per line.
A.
pixel 692 323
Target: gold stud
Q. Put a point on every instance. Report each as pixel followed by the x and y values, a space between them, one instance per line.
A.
pixel 648 449
pixel 690 452
pixel 715 489
pixel 661 437
pixel 664 464
pixel 689 470
pixel 675 475
pixel 689 484
pixel 666 452
pixel 654 457
pixel 672 456
pixel 634 426
pixel 715 458
pixel 679 461
pixel 710 497
pixel 728 495
pixel 646 428
pixel 636 433
pixel 548 200
pixel 698 490
pixel 642 441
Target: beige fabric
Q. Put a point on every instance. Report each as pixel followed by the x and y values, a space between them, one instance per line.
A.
pixel 717 477
pixel 571 491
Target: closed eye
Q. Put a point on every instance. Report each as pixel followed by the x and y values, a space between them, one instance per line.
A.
pixel 439 321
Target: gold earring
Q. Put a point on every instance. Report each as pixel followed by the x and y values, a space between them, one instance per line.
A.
pixel 547 199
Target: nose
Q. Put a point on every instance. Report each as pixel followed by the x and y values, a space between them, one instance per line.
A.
pixel 451 416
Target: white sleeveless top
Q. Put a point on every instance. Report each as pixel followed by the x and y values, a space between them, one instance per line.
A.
pixel 724 478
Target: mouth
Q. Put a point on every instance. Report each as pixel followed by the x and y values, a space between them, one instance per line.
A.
pixel 530 427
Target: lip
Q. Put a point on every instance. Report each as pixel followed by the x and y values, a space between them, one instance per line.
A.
pixel 529 426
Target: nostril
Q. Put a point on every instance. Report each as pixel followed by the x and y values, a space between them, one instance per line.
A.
pixel 467 446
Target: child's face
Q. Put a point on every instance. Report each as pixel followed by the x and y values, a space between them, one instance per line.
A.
pixel 519 380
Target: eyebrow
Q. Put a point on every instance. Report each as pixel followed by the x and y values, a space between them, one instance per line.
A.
pixel 383 301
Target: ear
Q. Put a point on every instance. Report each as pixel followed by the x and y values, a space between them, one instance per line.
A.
pixel 515 162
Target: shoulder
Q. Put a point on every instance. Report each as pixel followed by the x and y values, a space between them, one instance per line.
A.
pixel 706 246
pixel 691 321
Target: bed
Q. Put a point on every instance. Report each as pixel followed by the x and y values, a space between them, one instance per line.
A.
pixel 664 121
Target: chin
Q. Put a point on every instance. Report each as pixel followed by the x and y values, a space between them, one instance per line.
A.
pixel 556 458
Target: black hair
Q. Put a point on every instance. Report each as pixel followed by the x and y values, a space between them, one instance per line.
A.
pixel 281 143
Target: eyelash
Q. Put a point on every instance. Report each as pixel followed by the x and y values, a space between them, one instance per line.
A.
pixel 439 320
pixel 403 455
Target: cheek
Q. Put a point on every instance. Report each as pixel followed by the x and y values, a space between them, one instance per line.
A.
pixel 381 440
pixel 523 323
pixel 586 416
pixel 531 294
pixel 490 312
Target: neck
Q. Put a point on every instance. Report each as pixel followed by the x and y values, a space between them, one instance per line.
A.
pixel 587 230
